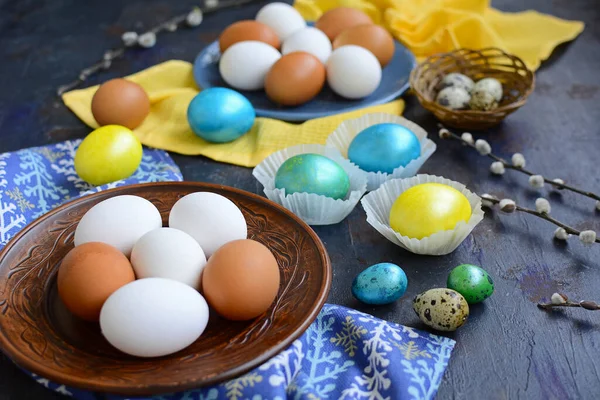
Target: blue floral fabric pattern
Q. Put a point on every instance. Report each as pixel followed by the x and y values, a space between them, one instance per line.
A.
pixel 344 354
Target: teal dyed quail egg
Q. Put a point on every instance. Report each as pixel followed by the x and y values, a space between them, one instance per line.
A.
pixel 457 80
pixel 482 100
pixel 490 85
pixel 454 98
pixel 441 309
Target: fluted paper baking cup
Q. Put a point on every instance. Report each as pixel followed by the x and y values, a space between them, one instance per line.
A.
pixel 314 209
pixel 347 131
pixel 378 204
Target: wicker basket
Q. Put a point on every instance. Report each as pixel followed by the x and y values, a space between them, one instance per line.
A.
pixel 518 82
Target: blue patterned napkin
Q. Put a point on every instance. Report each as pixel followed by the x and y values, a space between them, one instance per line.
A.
pixel 344 354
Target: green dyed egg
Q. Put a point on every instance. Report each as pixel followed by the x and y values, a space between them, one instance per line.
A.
pixel 473 282
pixel 313 173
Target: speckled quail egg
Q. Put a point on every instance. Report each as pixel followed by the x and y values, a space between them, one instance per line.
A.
pixel 482 100
pixel 454 98
pixel 490 85
pixel 442 309
pixel 457 80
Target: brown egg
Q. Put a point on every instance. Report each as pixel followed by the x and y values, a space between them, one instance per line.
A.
pixel 295 79
pixel 337 20
pixel 241 280
pixel 248 30
pixel 89 274
pixel 120 102
pixel 372 37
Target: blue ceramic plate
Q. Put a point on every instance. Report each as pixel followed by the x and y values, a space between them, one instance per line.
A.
pixel 394 82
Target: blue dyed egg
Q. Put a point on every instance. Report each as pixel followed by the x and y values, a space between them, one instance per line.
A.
pixel 220 115
pixel 384 147
pixel 381 283
pixel 313 173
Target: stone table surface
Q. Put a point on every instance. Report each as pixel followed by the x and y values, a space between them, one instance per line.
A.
pixel 509 349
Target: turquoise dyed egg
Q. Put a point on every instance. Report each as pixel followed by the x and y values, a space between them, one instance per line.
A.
pixel 384 147
pixel 381 283
pixel 220 115
pixel 312 173
pixel 473 282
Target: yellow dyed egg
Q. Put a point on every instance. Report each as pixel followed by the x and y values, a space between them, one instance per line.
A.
pixel 108 154
pixel 428 208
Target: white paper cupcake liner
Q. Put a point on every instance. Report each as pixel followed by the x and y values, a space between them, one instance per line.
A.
pixel 314 209
pixel 378 204
pixel 347 131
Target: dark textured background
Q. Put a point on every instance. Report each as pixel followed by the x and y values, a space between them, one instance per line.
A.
pixel 508 349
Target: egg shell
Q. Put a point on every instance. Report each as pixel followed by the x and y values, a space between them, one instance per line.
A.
pixel 309 40
pixel 153 317
pixel 168 253
pixel 428 208
pixel 313 173
pixel 353 72
pixel 108 154
pixel 282 18
pixel 337 20
pixel 457 80
pixel 220 115
pixel 295 79
pixel 244 65
pixel 379 284
pixel 213 220
pixel 491 86
pixel 473 282
pixel 88 275
pixel 247 30
pixel 454 98
pixel 482 100
pixel 384 147
pixel 372 37
pixel 441 309
pixel 118 221
pixel 120 102
pixel 241 280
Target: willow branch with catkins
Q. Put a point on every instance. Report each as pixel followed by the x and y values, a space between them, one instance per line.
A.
pixel 148 38
pixel 517 163
pixel 561 300
pixel 542 211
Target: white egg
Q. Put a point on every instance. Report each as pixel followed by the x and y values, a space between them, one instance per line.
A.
pixel 244 65
pixel 353 72
pixel 168 253
pixel 119 221
pixel 282 18
pixel 310 40
pixel 153 317
pixel 210 218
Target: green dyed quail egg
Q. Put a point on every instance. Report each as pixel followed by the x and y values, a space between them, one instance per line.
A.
pixel 441 309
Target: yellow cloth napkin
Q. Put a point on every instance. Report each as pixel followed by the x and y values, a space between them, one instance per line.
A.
pixel 427 27
pixel 171 87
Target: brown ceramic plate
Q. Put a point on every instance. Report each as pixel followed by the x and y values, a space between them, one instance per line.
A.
pixel 40 335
